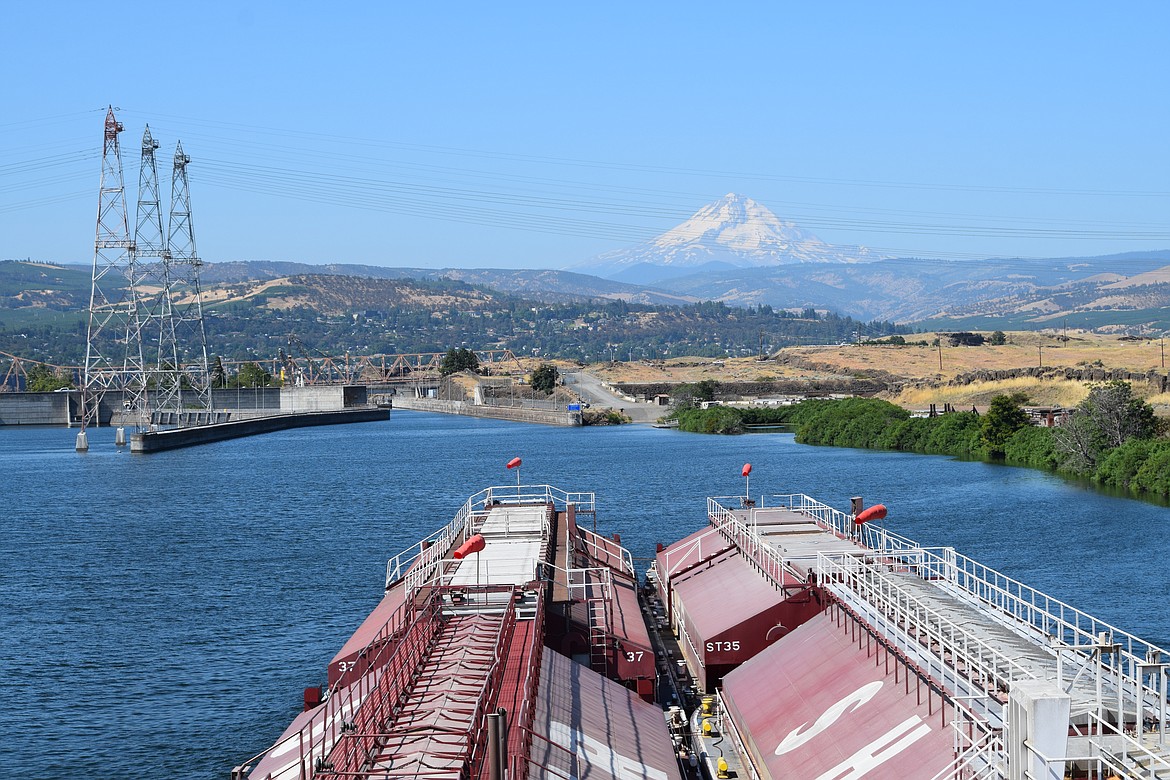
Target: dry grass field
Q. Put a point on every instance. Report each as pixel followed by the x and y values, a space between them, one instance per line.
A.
pixel 919 367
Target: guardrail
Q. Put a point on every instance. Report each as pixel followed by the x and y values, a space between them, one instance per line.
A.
pixel 673 554
pixel 727 726
pixel 520 741
pixel 1137 671
pixel 603 549
pixel 979 752
pixel 827 517
pixel 360 736
pixel 521 763
pixel 320 733
pixel 489 692
pixel 1078 639
pixel 766 558
pixel 858 582
pixel 423 555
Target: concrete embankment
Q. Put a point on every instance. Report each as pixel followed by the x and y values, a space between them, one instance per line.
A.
pixel 64 407
pixel 157 441
pixel 511 413
pixel 39 408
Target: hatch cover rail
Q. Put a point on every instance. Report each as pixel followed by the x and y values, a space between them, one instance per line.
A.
pixel 764 556
pixel 416 561
pixel 600 548
pixel 1138 668
pixel 859 583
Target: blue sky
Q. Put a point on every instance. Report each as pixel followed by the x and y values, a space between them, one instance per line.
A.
pixel 541 134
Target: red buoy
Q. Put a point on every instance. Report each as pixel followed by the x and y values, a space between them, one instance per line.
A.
pixel 875 512
pixel 747 469
pixel 514 463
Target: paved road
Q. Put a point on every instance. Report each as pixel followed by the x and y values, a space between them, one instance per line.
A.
pixel 593 392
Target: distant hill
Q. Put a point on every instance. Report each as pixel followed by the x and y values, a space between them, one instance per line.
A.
pixel 1127 292
pixel 1024 294
pixel 43 285
pixel 541 285
pixel 339 296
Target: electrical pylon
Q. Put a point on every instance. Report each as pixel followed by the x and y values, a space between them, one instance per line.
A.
pixel 150 286
pixel 110 356
pixel 185 340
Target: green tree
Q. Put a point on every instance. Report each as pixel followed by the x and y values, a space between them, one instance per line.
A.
pixel 1003 419
pixel 43 379
pixel 544 378
pixel 998 338
pixel 1108 417
pixel 252 375
pixel 1119 415
pixel 457 360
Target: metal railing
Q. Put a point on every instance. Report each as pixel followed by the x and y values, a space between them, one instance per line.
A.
pixel 390 665
pixel 673 556
pixel 489 692
pixel 601 549
pixel 1127 756
pixel 1133 668
pixel 979 752
pixel 520 741
pixel 727 726
pixel 416 561
pixel 359 737
pixel 894 611
pixel 521 763
pixel 755 549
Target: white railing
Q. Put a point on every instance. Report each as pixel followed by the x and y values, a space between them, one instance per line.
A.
pixel 979 752
pixel 534 494
pixel 895 612
pixel 727 727
pixel 832 520
pixel 1077 639
pixel 417 560
pixel 1125 752
pixel 673 556
pixel 766 558
pixel 1131 675
pixel 579 580
pixel 600 548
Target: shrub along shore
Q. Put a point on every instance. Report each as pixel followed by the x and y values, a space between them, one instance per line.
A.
pixel 1113 438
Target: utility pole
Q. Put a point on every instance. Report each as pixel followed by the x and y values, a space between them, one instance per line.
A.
pixel 940 368
pixel 1163 352
pixel 109 355
pixel 1040 349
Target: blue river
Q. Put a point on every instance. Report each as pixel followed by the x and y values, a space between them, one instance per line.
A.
pixel 160 615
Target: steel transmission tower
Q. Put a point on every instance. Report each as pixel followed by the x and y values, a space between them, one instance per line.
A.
pixel 110 356
pixel 185 339
pixel 150 285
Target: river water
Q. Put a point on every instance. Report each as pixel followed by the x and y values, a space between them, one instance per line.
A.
pixel 160 615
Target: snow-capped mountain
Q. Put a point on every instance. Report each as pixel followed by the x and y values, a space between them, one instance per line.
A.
pixel 734 231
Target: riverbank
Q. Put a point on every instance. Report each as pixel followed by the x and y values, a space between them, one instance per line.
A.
pixel 568 419
pixel 1140 465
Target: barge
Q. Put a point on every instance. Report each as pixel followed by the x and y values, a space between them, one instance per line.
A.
pixel 784 639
